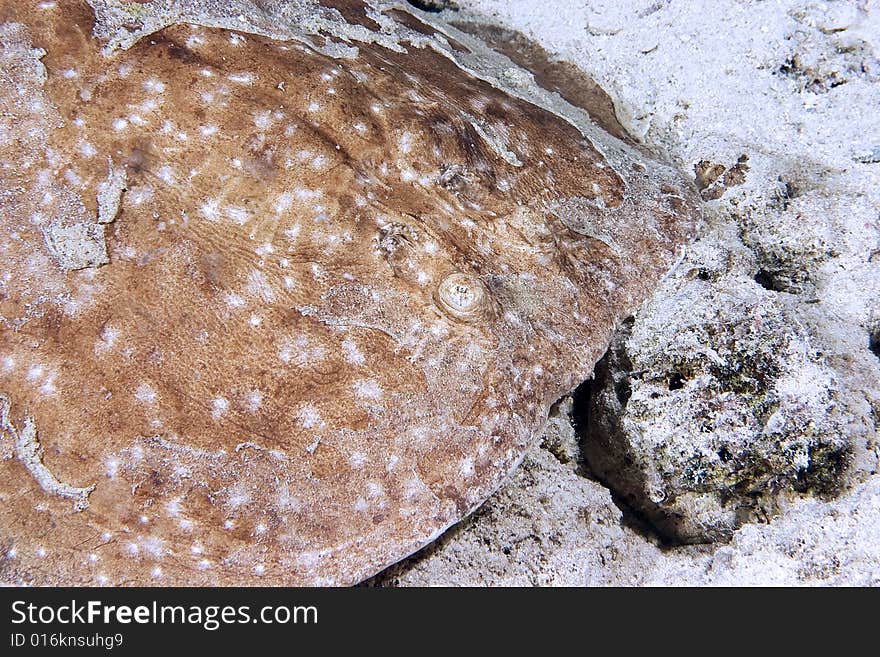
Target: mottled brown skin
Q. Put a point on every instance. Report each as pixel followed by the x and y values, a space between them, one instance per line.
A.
pixel 261 384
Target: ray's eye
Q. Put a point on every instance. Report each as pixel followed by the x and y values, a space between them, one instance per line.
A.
pixel 463 297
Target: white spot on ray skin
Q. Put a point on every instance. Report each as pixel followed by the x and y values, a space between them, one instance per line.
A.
pixel 405 142
pixel 210 210
pixel 307 194
pixel 282 202
pixel 48 386
pixel 234 300
pixel 245 78
pixel 367 389
pixel 107 340
pixel 238 496
pixel 257 286
pixel 254 401
pixel 154 546
pixel 351 352
pixel 208 130
pixel 166 175
pixel 308 417
pixel 219 405
pixel 308 559
pixel 111 467
pixel 154 86
pixel 299 352
pixel 145 393
pixel 139 195
pixel 172 507
pixel 71 177
pixel 263 120
pixel 238 215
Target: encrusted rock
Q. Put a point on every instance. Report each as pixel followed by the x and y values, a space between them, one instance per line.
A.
pixel 702 430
